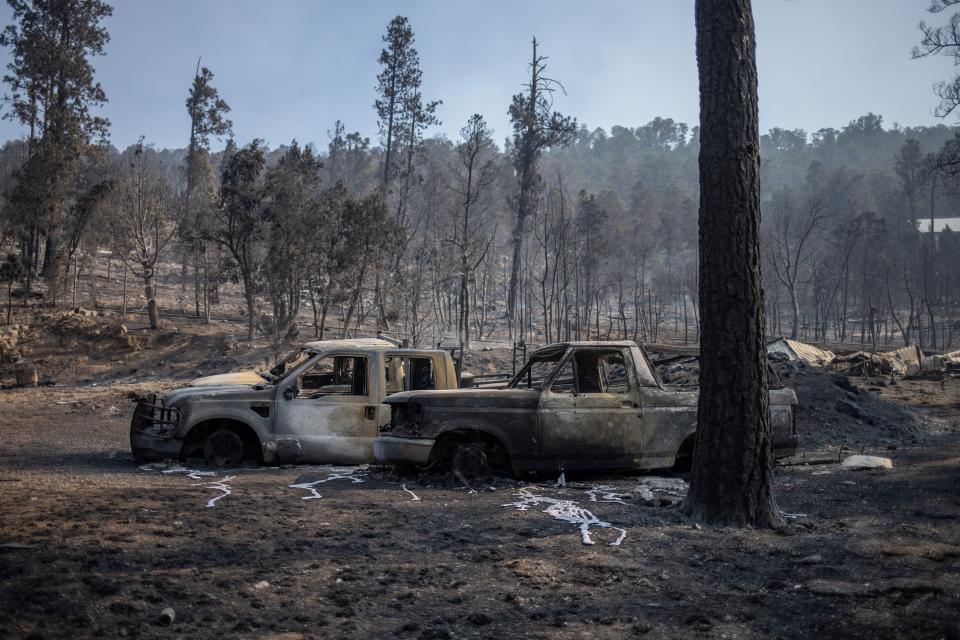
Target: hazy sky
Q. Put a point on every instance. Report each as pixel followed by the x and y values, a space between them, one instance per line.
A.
pixel 289 68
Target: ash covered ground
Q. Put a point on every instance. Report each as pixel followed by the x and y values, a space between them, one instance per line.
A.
pixel 93 545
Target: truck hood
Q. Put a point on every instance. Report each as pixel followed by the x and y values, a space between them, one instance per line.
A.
pixel 248 378
pixel 219 392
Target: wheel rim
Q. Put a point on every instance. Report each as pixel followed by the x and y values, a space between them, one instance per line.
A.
pixel 470 461
pixel 223 449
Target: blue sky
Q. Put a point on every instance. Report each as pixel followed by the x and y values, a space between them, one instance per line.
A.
pixel 289 68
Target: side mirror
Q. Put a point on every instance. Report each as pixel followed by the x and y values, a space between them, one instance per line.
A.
pixel 290 393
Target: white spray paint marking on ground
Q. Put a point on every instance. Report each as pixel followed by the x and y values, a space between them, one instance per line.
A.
pixel 415 496
pixel 335 474
pixel 607 494
pixel 566 511
pixel 196 474
pixel 218 485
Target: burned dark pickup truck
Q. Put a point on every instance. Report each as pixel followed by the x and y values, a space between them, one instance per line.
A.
pixel 574 405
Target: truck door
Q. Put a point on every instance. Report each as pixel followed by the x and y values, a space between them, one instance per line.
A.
pixel 596 423
pixel 668 417
pixel 331 409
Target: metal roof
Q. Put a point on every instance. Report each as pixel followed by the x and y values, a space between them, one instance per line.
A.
pixel 939 224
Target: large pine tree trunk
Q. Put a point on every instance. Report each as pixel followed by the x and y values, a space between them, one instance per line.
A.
pixel 733 465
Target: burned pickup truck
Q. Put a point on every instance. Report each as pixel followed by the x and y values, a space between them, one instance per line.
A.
pixel 575 405
pixel 321 404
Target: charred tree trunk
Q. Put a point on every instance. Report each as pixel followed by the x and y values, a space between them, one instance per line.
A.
pixel 150 294
pixel 732 480
pixel 248 293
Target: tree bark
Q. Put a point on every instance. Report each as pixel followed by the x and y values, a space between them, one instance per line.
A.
pixel 149 294
pixel 732 480
pixel 248 293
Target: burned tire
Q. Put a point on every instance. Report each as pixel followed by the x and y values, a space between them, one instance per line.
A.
pixel 684 460
pixel 223 448
pixel 470 462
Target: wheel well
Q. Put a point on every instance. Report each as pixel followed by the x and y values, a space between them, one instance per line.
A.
pixel 448 441
pixel 685 453
pixel 193 443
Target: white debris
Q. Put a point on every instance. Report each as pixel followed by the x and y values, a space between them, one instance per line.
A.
pixel 645 494
pixel 607 494
pixel 263 584
pixel 867 462
pixel 347 474
pixel 669 486
pixel 415 496
pixel 566 511
pixel 562 480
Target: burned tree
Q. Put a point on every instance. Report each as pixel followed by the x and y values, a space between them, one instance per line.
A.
pixel 536 127
pixel 795 222
pixel 207 113
pixel 53 92
pixel 239 221
pixel 11 272
pixel 141 223
pixel 401 113
pixel 473 233
pixel 291 190
pixel 732 481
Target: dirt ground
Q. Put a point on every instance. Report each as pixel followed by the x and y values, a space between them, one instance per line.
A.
pixel 92 545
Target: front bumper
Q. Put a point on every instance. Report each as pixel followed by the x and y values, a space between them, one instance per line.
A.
pixel 393 450
pixel 152 430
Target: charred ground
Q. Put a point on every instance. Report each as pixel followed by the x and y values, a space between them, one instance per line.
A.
pixel 94 546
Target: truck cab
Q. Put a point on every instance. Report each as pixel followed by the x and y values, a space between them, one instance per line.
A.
pixel 323 403
pixel 574 405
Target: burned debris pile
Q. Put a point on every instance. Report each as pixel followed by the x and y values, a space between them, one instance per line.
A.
pixel 838 390
pixel 80 325
pixel 13 340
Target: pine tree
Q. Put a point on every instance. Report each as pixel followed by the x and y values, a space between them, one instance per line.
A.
pixel 53 92
pixel 732 481
pixel 536 127
pixel 207 113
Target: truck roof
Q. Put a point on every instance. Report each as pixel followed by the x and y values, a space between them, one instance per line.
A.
pixel 588 343
pixel 365 344
pixel 375 344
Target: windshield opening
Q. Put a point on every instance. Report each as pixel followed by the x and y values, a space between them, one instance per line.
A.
pixel 535 373
pixel 288 364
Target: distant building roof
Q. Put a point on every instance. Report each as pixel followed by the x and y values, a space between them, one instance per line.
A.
pixel 939 224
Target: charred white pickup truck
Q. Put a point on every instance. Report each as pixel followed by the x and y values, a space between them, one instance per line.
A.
pixel 574 405
pixel 324 403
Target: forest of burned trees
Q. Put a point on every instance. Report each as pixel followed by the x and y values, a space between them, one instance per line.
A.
pixel 551 231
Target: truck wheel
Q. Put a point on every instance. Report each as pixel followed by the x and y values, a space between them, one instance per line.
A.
pixel 223 448
pixel 470 462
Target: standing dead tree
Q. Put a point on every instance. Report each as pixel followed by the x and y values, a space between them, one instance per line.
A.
pixel 732 480
pixel 794 224
pixel 207 113
pixel 536 126
pixel 140 222
pixel 473 233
